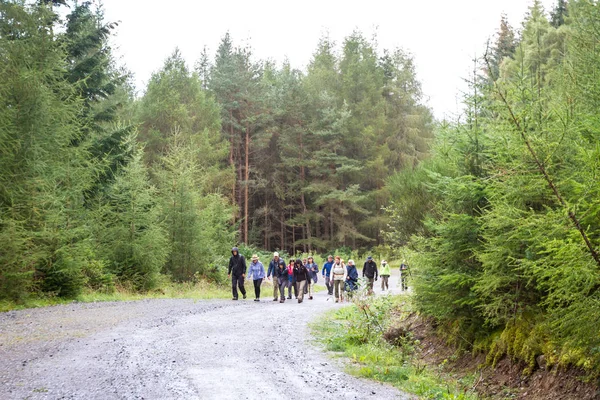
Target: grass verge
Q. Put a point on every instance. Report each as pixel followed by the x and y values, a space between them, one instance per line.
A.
pixel 201 290
pixel 356 333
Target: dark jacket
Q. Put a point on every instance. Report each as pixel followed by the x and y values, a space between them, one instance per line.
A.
pixel 281 271
pixel 237 265
pixel 352 273
pixel 273 267
pixel 370 270
pixel 301 273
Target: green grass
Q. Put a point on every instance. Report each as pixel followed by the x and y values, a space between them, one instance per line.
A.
pixel 380 361
pixel 168 290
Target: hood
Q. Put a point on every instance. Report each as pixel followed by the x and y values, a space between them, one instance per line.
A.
pixel 236 250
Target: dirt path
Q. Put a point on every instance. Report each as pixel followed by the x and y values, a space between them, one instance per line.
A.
pixel 174 349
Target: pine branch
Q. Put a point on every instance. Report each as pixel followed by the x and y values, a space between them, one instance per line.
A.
pixel 543 170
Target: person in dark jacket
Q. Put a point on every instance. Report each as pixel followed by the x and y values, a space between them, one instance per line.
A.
pixel 271 272
pixel 370 271
pixel 351 278
pixel 326 274
pixel 237 272
pixel 313 272
pixel 281 278
pixel 302 276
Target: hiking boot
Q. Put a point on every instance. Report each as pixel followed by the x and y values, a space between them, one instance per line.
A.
pixel 235 298
pixel 282 301
pixel 256 300
pixel 244 297
pixel 299 301
pixel 337 300
pixel 310 298
pixel 289 297
pixel 275 299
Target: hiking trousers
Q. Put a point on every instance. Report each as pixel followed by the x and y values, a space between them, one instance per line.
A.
pixel 257 283
pixel 237 281
pixel 384 282
pixel 338 287
pixel 301 285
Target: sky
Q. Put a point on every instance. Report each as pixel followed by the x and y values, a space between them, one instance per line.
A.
pixel 443 36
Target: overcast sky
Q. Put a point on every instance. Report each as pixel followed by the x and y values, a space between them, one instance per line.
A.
pixel 442 35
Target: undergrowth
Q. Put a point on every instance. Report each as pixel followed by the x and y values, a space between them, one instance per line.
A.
pixel 356 332
pixel 198 290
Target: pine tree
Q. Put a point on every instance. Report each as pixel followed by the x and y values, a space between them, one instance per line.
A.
pixel 43 176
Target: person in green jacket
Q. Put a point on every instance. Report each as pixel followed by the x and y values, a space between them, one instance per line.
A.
pixel 385 275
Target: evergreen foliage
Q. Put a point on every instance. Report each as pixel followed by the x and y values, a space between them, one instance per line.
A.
pixel 509 241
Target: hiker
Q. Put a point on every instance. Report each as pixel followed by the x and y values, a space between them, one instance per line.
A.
pixel 302 276
pixel 370 271
pixel 271 272
pixel 338 276
pixel 291 280
pixel 305 262
pixel 237 272
pixel 313 272
pixel 280 278
pixel 256 271
pixel 351 278
pixel 327 274
pixel 385 275
pixel 404 272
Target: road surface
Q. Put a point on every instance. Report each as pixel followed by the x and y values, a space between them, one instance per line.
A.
pixel 175 349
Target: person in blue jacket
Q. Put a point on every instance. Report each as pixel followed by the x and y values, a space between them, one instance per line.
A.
pixel 257 271
pixel 351 278
pixel 313 270
pixel 326 273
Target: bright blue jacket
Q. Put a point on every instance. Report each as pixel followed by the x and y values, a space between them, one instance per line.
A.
pixel 327 268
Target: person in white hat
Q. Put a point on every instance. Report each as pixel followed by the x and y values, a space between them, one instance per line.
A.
pixel 256 271
pixel 385 275
pixel 271 272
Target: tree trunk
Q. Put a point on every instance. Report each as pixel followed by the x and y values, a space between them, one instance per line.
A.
pixel 246 179
pixel 231 163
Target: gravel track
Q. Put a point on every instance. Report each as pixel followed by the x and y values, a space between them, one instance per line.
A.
pixel 174 349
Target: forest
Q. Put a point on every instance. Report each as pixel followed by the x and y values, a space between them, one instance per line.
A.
pixel 105 184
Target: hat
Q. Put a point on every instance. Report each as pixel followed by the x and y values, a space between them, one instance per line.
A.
pixel 276 254
pixel 310 258
pixel 351 262
pixel 369 258
pixel 383 262
pixel 254 257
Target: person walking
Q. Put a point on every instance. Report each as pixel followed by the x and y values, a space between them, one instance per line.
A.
pixel 291 279
pixel 327 274
pixel 281 278
pixel 351 279
pixel 404 272
pixel 305 262
pixel 256 271
pixel 271 272
pixel 385 275
pixel 338 277
pixel 302 277
pixel 313 272
pixel 237 272
pixel 370 271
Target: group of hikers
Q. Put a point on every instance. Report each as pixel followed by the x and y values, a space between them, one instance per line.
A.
pixel 300 276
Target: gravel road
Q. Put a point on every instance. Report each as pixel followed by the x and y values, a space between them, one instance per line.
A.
pixel 174 349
